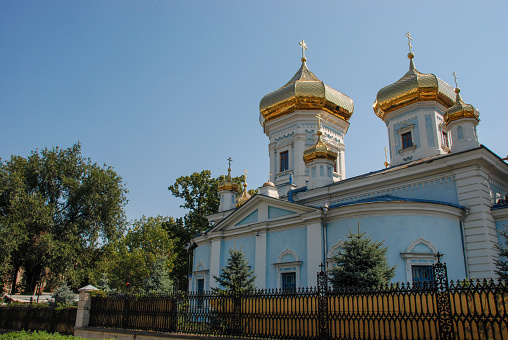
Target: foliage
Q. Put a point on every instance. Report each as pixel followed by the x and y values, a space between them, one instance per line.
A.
pixel 37 335
pixel 103 284
pixel 159 280
pixel 57 210
pixel 199 191
pixel 130 259
pixel 201 198
pixel 63 295
pixel 361 263
pixel 502 263
pixel 236 277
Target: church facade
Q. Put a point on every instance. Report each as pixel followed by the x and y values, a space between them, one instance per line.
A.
pixel 441 191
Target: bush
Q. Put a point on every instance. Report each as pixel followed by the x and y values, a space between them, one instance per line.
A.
pixel 62 296
pixel 23 335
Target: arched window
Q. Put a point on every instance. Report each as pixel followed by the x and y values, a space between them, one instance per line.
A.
pixel 321 171
pixel 460 133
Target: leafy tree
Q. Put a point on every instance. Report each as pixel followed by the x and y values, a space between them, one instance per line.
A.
pixel 57 211
pixel 361 263
pixel 502 263
pixel 236 277
pixel 199 191
pixel 132 257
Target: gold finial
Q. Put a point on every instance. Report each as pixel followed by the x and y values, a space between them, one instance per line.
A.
pixel 318 116
pixel 408 35
pixel 386 157
pixel 304 47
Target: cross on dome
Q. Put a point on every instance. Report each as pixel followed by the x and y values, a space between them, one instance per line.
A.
pixel 318 116
pixel 408 35
pixel 455 77
pixel 304 47
pixel 269 176
pixel 245 172
pixel 229 162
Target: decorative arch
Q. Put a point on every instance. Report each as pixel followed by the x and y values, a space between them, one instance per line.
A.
pixel 285 252
pixel 418 261
pixel 200 266
pixel 421 240
pixel 331 252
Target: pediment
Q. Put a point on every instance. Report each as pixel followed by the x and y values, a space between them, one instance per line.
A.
pixel 262 209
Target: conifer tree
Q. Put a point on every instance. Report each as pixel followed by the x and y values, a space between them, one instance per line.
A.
pixel 361 263
pixel 236 277
pixel 159 280
pixel 502 263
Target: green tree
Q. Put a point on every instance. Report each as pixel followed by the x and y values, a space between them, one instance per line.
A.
pixel 201 198
pixel 132 258
pixel 361 263
pixel 159 279
pixel 57 211
pixel 236 277
pixel 502 263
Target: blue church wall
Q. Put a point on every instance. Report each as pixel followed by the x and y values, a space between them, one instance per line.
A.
pixel 398 232
pixel 276 243
pixel 274 212
pixel 430 130
pixel 202 253
pixel 246 244
pixel 443 190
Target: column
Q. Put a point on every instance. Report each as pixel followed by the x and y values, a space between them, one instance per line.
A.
pixel 260 265
pixel 215 262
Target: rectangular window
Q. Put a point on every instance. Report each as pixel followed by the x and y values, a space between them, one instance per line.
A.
pixel 407 141
pixel 200 288
pixel 284 161
pixel 422 276
pixel 445 139
pixel 288 282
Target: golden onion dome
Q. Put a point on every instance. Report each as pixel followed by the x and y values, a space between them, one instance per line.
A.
pixel 228 184
pixel 319 150
pixel 413 87
pixel 244 197
pixel 305 91
pixel 460 110
pixel 268 184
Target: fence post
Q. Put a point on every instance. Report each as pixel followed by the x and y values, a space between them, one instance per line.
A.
pixel 84 304
pixel 237 312
pixel 443 299
pixel 322 281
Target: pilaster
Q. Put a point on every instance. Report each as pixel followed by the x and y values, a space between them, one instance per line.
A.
pixel 215 262
pixel 314 252
pixel 260 258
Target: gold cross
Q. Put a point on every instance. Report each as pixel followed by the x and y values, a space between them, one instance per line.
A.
pixel 304 47
pixel 408 35
pixel 455 77
pixel 269 176
pixel 245 172
pixel 229 162
pixel 318 116
pixel 386 154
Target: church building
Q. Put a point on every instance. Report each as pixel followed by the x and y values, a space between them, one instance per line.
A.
pixel 441 191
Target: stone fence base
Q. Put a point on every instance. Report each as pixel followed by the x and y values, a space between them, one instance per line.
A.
pixel 123 334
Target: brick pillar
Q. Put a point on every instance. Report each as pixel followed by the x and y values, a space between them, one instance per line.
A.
pixel 84 304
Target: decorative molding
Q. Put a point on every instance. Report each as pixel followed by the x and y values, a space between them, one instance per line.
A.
pixel 202 265
pixel 421 240
pixel 333 249
pixel 286 252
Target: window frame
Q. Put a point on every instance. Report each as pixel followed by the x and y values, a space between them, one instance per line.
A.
pixel 284 161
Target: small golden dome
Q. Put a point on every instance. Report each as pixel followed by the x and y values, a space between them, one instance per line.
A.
pixel 268 184
pixel 413 87
pixel 319 150
pixel 305 91
pixel 228 184
pixel 244 197
pixel 460 110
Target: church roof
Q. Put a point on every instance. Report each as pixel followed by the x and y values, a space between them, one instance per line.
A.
pixel 390 198
pixel 413 87
pixel 305 91
pixel 460 110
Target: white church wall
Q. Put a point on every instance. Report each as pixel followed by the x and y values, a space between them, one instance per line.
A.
pixel 279 241
pixel 398 232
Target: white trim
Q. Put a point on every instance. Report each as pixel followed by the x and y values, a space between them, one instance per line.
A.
pixel 288 267
pixel 418 259
pixel 331 252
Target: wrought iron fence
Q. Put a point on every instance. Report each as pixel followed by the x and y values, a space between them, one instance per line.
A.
pixel 443 310
pixel 38 318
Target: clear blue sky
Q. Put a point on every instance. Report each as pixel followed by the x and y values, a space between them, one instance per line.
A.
pixel 160 89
